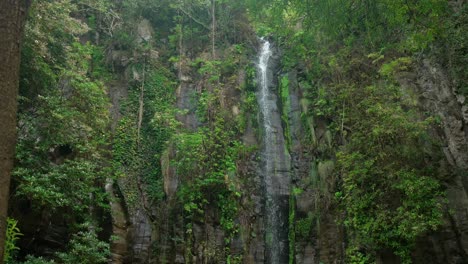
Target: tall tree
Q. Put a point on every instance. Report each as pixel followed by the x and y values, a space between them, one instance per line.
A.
pixel 213 28
pixel 12 16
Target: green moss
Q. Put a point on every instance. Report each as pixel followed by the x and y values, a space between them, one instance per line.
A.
pixel 313 174
pixel 304 227
pixel 307 121
pixel 292 229
pixel 286 109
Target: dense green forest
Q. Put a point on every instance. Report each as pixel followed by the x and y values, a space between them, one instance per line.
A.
pixel 140 137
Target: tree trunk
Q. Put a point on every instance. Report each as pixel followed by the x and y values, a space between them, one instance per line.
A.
pixel 12 15
pixel 213 28
pixel 141 108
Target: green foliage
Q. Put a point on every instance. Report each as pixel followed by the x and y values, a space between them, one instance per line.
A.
pixel 211 69
pixel 324 104
pixel 249 106
pixel 136 157
pixel 70 124
pixel 37 260
pixel 355 256
pixel 454 48
pixel 303 227
pixel 12 236
pixel 206 159
pixel 61 157
pixel 63 114
pixel 204 104
pixel 292 228
pixel 286 109
pixel 126 161
pixel 238 259
pixel 390 190
pixel 85 248
pixel 400 64
pixel 57 187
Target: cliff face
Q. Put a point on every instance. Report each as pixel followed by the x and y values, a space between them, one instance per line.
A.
pixel 315 235
pixel 437 95
pixel 222 149
pixel 314 175
pixel 161 232
pixel 158 232
pixel 208 241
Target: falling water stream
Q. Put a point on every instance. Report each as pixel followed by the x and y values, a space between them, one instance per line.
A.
pixel 276 164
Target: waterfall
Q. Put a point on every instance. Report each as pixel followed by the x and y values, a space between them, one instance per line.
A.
pixel 275 164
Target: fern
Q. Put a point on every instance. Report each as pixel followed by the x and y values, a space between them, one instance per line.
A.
pixel 12 235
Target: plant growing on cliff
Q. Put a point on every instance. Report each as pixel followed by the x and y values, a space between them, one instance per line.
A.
pixel 391 194
pixel 206 160
pixel 134 153
pixel 349 52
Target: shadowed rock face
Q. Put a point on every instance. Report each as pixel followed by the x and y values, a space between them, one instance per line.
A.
pixel 311 173
pixel 119 246
pixel 141 231
pixel 437 96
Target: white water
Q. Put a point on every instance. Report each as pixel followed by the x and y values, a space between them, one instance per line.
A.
pixel 276 165
pixel 266 104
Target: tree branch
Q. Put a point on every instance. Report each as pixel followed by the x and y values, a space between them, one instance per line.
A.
pixel 194 19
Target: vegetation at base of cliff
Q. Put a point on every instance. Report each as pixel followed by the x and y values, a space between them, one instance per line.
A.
pixel 84 248
pixel 61 162
pixel 206 163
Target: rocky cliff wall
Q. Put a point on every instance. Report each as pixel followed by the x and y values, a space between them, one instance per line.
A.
pixel 315 235
pixel 436 94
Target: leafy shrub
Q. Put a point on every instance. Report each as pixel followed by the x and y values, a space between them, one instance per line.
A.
pixel 85 248
pixel 37 260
